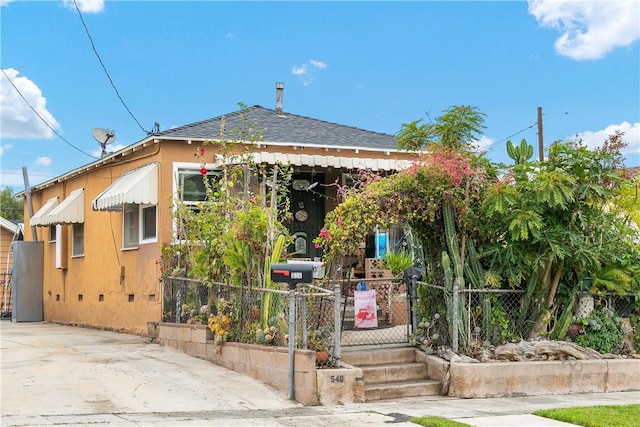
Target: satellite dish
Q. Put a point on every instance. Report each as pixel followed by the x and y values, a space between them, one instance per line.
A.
pixel 104 137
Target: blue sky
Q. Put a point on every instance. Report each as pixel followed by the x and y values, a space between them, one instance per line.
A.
pixel 372 65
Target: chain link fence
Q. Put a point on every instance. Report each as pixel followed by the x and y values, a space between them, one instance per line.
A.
pixel 490 317
pixel 6 288
pixel 329 315
pixel 374 311
pixel 258 315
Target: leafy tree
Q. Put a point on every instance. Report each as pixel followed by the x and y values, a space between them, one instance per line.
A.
pixel 549 225
pixel 457 128
pixel 11 207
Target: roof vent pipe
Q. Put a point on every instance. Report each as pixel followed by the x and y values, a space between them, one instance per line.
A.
pixel 279 90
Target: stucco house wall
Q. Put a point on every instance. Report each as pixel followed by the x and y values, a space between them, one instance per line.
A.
pixel 120 289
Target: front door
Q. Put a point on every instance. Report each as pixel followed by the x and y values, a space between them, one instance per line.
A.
pixel 307 209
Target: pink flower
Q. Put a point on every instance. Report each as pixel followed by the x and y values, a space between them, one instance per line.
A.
pixel 316 245
pixel 340 222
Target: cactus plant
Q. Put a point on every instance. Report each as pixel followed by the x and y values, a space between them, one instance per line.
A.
pixel 453 253
pixel 271 301
pixel 521 153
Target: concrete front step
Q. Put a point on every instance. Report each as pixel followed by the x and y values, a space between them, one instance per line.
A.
pixel 394 372
pixel 391 373
pixel 385 356
pixel 399 389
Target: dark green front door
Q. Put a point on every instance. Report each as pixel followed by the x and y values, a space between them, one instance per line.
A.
pixel 307 209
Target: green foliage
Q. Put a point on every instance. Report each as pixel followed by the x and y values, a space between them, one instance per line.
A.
pixel 227 238
pixel 11 207
pixel 457 128
pixel 563 322
pixel 635 324
pixel 603 331
pixel 560 226
pixel 398 262
pixel 502 326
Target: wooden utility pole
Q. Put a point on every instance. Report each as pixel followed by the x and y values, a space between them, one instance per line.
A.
pixel 540 140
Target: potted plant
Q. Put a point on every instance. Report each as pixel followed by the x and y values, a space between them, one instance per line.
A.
pixel 316 343
pixel 398 262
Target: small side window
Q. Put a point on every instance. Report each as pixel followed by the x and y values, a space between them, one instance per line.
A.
pixel 78 240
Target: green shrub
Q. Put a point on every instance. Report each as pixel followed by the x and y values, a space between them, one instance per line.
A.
pixel 602 332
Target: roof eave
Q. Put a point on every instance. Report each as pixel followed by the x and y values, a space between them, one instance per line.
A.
pixel 109 158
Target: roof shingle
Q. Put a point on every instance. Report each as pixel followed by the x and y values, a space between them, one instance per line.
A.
pixel 284 128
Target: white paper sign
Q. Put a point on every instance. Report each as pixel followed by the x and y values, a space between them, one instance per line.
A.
pixel 365 309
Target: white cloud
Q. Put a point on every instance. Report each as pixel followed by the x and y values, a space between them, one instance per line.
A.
pixel 593 139
pixel 306 70
pixel 5 2
pixel 85 6
pixel 317 64
pixel 4 148
pixel 18 120
pixel 43 161
pixel 589 30
pixel 483 143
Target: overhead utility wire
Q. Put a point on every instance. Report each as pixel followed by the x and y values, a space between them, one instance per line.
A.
pixel 510 136
pixel 105 69
pixel 41 118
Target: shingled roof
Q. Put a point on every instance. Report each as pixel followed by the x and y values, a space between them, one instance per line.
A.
pixel 285 128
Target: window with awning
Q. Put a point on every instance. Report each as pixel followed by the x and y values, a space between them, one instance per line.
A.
pixel 138 186
pixel 70 211
pixel 38 217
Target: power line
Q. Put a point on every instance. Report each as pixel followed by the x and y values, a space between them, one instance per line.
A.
pixel 41 118
pixel 105 69
pixel 30 174
pixel 511 136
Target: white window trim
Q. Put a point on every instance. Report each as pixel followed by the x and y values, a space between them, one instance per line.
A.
pixel 140 221
pixel 176 187
pixel 73 241
pixel 124 228
pixel 154 239
pixel 57 228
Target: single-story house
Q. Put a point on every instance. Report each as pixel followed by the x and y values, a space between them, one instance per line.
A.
pixel 103 224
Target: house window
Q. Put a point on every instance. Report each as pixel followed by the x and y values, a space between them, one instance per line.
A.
pixel 191 186
pixel 139 225
pixel 130 226
pixel 53 233
pixel 148 220
pixel 78 240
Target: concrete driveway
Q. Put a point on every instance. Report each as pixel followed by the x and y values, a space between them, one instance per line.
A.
pixel 71 376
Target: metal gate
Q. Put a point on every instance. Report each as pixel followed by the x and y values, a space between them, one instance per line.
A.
pixel 375 312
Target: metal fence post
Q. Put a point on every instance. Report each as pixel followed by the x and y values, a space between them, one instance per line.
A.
pixel 414 303
pixel 337 324
pixel 303 316
pixel 454 317
pixel 292 338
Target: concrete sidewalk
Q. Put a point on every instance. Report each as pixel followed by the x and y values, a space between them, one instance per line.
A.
pixel 69 376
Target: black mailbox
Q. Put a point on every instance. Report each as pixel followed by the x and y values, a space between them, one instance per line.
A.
pixel 292 274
